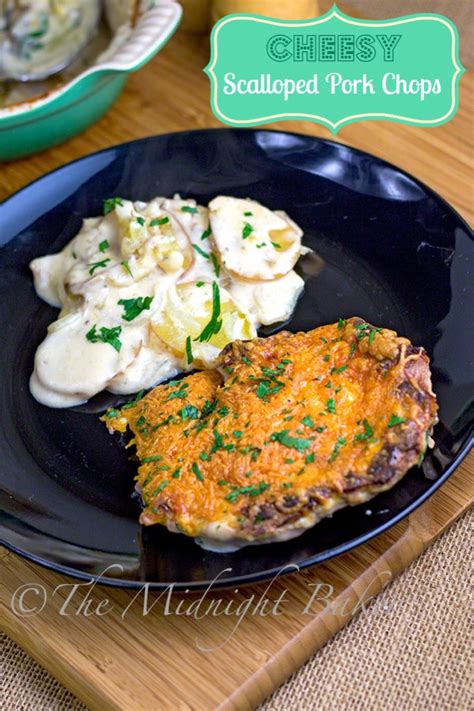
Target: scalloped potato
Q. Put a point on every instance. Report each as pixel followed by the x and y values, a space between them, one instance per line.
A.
pixel 150 290
pixel 252 241
pixel 187 310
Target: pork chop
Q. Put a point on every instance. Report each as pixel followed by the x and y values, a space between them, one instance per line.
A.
pixel 288 430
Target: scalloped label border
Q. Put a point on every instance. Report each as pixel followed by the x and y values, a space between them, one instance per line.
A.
pixel 334 126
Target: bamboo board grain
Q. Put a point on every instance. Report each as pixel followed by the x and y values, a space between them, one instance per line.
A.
pixel 134 662
pixel 128 660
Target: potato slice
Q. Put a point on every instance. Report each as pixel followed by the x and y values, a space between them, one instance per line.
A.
pixel 268 301
pixel 153 240
pixel 152 364
pixel 253 242
pixel 188 310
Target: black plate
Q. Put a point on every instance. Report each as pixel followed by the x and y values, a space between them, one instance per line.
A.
pixel 394 253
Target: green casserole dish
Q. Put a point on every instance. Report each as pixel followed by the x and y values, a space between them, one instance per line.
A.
pixel 31 126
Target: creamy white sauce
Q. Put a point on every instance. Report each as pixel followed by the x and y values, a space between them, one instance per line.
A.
pixel 145 251
pixel 47 36
pixel 111 33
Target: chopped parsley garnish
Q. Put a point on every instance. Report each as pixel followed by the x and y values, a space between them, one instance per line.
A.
pixel 255 452
pixel 197 472
pixel 287 485
pixel 248 213
pixel 112 413
pixel 208 408
pixel 43 21
pixel 266 388
pixel 133 307
pixel 215 324
pixel 126 267
pixel 224 410
pixel 246 360
pixel 364 330
pixel 188 412
pixel 341 324
pixel 141 220
pixel 287 440
pixel 111 203
pixel 339 370
pixel 189 351
pixel 153 458
pixel 269 385
pixel 309 458
pixel 103 246
pixel 106 335
pixel 262 244
pixel 188 208
pixel 204 456
pixel 275 372
pixel 215 264
pixel 335 452
pixel 395 420
pixel 200 251
pixel 161 487
pixel 331 406
pixel 247 230
pixel 367 434
pixel 162 423
pixel 326 358
pixel 176 473
pixel 276 245
pixel 133 402
pixel 423 451
pixel 253 490
pixel 206 233
pixel 180 393
pixel 200 283
pixel 237 434
pixel 98 265
pixel 307 421
pixel 321 429
pixel 157 221
pixel 219 443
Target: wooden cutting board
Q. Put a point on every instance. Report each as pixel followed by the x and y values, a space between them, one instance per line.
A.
pixel 121 659
pixel 99 642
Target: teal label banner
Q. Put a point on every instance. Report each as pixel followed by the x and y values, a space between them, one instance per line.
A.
pixel 334 69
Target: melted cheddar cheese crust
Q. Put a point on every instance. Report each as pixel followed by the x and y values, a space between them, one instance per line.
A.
pixel 289 429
